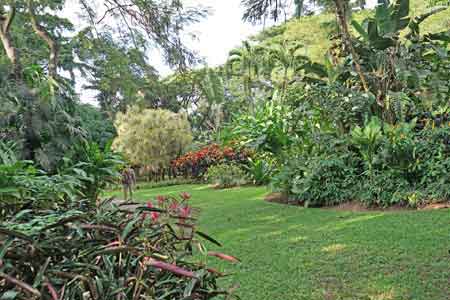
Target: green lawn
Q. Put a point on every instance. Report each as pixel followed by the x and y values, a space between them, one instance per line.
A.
pixel 294 253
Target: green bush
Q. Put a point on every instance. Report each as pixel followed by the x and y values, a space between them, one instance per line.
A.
pixel 433 152
pixel 384 188
pixel 226 176
pixel 23 185
pixel 378 165
pixel 96 168
pixel 260 170
pixel 108 253
pixel 324 180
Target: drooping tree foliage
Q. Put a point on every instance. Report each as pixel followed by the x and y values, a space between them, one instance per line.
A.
pixel 42 55
pixel 152 137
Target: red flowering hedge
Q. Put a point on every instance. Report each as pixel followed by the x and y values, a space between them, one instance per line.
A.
pixel 196 163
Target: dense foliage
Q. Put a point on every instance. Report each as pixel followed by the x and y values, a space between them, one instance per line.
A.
pixel 110 252
pixel 24 186
pixel 152 137
pixel 356 127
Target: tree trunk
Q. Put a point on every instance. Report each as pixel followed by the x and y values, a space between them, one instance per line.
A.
pixel 342 21
pixel 299 8
pixel 31 142
pixel 11 52
pixel 51 43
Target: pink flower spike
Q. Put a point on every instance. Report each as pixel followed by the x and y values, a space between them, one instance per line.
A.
pixel 161 199
pixel 185 196
pixel 173 206
pixel 149 205
pixel 154 216
pixel 185 212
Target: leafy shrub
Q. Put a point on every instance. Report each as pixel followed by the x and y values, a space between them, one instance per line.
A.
pixel 378 165
pixel 23 185
pixel 267 130
pixel 368 141
pixel 324 180
pixel 226 175
pixel 433 156
pixel 260 170
pixel 108 253
pixel 384 188
pixel 95 168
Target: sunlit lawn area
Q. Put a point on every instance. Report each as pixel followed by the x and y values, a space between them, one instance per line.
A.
pixel 295 253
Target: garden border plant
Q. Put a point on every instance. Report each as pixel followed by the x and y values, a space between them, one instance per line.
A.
pixel 111 252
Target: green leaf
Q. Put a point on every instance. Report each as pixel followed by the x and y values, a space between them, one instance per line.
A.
pixel 127 230
pixel 360 30
pixel 207 237
pixel 9 295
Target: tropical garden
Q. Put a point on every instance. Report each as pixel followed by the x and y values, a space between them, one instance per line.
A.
pixel 312 164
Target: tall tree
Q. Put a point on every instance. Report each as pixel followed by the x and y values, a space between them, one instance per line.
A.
pixel 38 45
pixel 287 59
pixel 152 137
pixel 245 62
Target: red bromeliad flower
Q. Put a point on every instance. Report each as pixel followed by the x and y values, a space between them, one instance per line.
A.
pixel 153 215
pixel 185 212
pixel 161 199
pixel 173 206
pixel 185 196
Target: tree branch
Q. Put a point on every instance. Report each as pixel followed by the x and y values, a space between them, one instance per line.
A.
pixel 52 44
pixel 9 19
pixel 11 52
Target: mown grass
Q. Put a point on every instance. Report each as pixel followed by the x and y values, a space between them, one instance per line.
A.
pixel 295 253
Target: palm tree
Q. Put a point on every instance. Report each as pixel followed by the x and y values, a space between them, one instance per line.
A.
pixel 285 56
pixel 244 62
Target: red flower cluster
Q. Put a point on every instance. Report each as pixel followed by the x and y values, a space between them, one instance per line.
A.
pixel 197 162
pixel 172 205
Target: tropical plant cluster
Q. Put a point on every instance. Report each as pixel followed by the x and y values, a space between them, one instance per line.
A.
pixel 110 252
pixel 24 185
pixel 370 124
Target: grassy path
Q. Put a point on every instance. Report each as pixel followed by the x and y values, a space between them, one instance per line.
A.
pixel 294 253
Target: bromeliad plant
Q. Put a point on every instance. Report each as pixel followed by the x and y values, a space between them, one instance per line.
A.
pixel 110 253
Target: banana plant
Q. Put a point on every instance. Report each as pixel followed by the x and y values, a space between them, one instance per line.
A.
pixel 383 29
